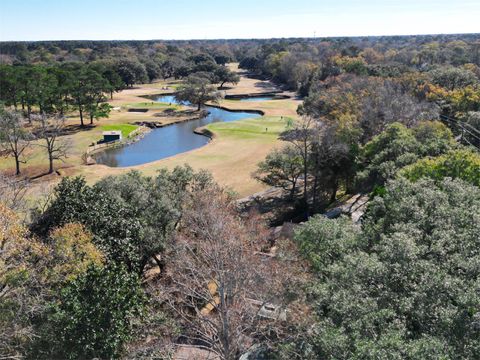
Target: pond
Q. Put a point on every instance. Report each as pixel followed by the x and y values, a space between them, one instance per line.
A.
pixel 258 98
pixel 170 99
pixel 170 140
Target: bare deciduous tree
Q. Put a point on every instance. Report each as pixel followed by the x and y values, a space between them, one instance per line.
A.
pixel 50 129
pixel 301 137
pixel 12 192
pixel 14 137
pixel 222 289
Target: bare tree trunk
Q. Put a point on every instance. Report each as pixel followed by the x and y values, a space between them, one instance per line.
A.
pixel 292 191
pixel 316 173
pixel 17 165
pixel 224 335
pixel 81 116
pixel 315 197
pixel 305 174
pixel 333 197
pixel 50 160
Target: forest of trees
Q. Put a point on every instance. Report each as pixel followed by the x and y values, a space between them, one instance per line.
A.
pixel 83 87
pixel 133 265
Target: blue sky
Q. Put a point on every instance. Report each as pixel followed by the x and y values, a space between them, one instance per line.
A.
pixel 213 19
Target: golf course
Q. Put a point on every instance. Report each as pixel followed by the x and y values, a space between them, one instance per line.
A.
pixel 237 145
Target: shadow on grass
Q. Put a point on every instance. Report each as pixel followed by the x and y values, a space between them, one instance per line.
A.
pixel 73 129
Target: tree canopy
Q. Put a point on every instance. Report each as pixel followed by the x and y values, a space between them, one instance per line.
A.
pixel 94 313
pixel 197 90
pixel 130 216
pixel 405 284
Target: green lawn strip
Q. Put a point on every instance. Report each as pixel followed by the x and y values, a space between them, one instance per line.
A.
pixel 152 105
pixel 126 129
pixel 264 127
pixel 174 86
